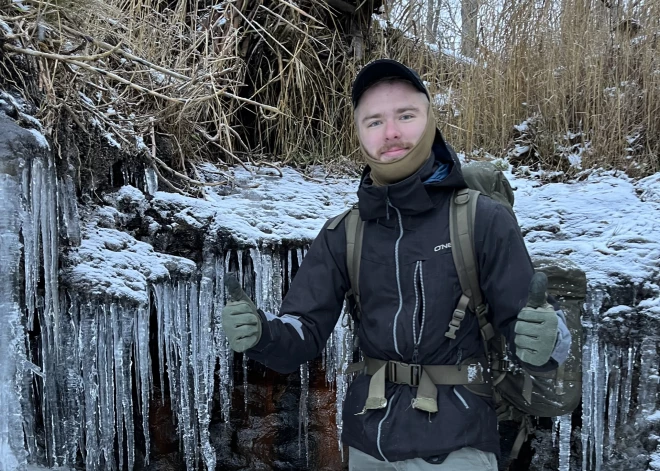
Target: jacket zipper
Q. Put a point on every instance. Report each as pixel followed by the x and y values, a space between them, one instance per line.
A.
pixel 458 395
pixel 418 316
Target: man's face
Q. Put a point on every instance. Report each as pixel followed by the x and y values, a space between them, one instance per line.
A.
pixel 391 118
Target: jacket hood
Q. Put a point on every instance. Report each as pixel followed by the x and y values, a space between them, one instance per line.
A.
pixel 411 195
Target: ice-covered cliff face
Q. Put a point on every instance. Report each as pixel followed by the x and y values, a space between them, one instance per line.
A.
pixel 131 319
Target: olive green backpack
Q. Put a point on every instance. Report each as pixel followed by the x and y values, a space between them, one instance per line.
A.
pixel 518 393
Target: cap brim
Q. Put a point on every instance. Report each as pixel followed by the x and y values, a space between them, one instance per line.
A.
pixel 379 70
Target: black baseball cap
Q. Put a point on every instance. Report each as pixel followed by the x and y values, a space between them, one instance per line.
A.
pixel 380 69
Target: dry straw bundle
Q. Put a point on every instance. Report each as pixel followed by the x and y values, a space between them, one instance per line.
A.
pixel 563 84
pixel 268 81
pixel 229 81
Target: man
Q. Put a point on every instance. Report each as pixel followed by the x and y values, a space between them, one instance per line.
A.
pixel 409 289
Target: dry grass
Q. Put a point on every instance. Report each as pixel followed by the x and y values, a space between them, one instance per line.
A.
pixel 588 75
pixel 269 81
pixel 232 81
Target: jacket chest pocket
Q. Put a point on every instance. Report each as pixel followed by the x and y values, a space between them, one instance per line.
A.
pixel 385 247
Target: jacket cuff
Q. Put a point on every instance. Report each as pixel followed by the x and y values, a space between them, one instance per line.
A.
pixel 266 335
pixel 563 343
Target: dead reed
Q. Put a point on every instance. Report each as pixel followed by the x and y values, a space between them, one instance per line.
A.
pixel 268 82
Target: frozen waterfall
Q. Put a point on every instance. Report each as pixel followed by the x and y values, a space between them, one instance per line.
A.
pixel 81 359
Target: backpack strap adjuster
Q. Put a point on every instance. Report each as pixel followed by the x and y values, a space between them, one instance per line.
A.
pixel 462 196
pixel 457 317
pixel 455 323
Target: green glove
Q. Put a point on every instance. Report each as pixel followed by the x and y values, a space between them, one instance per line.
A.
pixel 536 327
pixel 240 320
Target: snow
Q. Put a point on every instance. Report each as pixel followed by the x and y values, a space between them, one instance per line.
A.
pixel 522 127
pixel 139 144
pixel 111 140
pixel 649 188
pixel 618 310
pixel 6 28
pixel 651 306
pixel 112 264
pixel 575 160
pixel 599 223
pixel 520 150
pixel 263 208
pixel 19 4
pixel 40 138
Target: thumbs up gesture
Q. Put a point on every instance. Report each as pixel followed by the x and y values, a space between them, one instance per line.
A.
pixel 240 319
pixel 537 325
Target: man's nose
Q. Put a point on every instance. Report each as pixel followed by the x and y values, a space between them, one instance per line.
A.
pixel 392 130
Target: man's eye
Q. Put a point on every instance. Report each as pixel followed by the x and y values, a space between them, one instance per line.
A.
pixel 407 116
pixel 373 124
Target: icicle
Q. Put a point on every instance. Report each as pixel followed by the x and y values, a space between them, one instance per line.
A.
pixel 128 326
pixel 150 181
pixel 32 196
pixel 204 355
pixel 158 294
pixel 186 428
pixel 12 334
pixel 70 387
pixel 344 355
pixel 69 211
pixel 184 309
pixel 122 330
pixel 50 248
pixel 587 398
pixel 223 352
pixel 106 384
pixel 594 389
pixel 613 406
pixel 555 431
pixel 593 403
pixel 648 378
pixel 289 266
pixel 61 383
pixel 303 416
pixel 89 366
pixel 265 286
pixel 338 353
pixel 143 372
pixel 601 373
pixel 241 274
pixel 118 360
pixel 276 282
pixel 564 425
pixel 264 292
pixel 627 386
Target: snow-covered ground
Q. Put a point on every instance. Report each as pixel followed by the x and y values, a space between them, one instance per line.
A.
pixel 607 223
pixel 264 208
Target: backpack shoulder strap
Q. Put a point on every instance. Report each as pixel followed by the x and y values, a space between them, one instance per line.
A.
pixel 354 233
pixel 462 215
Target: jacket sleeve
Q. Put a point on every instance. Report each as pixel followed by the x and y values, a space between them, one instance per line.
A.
pixel 505 270
pixel 310 308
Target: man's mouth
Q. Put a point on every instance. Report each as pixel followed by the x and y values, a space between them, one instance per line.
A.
pixel 394 152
